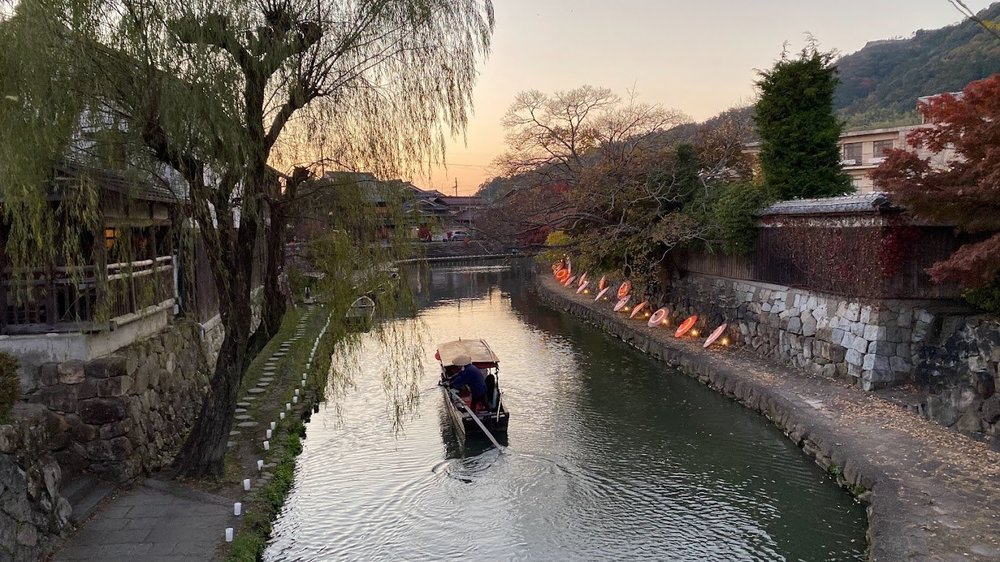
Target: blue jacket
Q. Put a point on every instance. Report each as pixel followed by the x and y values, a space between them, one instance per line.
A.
pixel 472 376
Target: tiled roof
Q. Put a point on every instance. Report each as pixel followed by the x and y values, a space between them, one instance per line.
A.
pixel 848 204
pixel 463 201
pixel 131 185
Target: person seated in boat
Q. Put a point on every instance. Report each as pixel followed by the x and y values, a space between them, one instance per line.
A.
pixel 470 376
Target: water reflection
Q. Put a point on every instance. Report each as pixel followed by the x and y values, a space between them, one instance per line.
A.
pixel 611 455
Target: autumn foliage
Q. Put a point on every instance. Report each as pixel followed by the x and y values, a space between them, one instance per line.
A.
pixel 966 192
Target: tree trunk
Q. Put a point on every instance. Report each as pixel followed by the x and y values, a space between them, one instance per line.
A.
pixel 203 454
pixel 275 304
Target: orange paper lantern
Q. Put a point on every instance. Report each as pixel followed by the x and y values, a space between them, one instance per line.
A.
pixel 685 326
pixel 624 289
pixel 715 335
pixel 638 308
pixel 657 317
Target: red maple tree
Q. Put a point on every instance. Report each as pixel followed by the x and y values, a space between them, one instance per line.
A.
pixel 965 192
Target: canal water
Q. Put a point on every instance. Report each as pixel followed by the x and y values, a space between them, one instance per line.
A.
pixel 611 455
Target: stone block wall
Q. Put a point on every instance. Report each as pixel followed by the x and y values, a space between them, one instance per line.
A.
pixel 32 512
pixel 126 414
pixel 951 356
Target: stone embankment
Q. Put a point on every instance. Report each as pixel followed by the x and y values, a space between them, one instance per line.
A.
pixel 931 493
pixel 949 353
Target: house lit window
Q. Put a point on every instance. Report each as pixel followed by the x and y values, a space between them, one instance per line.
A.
pixel 852 154
pixel 109 237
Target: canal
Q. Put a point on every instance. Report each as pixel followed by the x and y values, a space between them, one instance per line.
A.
pixel 612 455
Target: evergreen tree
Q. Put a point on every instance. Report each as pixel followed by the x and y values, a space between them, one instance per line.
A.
pixel 799 156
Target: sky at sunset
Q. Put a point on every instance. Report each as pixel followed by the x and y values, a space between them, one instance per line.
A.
pixel 698 57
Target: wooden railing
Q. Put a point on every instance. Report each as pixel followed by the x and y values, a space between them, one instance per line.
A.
pixel 72 299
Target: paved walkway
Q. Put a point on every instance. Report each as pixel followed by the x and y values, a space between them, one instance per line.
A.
pixel 165 522
pixel 155 522
pixel 934 494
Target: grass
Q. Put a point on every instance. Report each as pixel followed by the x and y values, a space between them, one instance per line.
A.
pixel 263 505
pixel 263 508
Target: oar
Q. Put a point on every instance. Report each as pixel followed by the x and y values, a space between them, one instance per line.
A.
pixel 479 422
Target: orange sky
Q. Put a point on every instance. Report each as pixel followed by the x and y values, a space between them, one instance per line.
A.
pixel 698 57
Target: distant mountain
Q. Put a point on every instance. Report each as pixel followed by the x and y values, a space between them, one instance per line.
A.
pixel 882 81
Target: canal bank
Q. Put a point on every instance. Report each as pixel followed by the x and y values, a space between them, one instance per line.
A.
pixel 931 493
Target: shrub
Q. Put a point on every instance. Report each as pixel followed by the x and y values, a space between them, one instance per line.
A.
pixel 734 219
pixel 986 298
pixel 556 241
pixel 10 384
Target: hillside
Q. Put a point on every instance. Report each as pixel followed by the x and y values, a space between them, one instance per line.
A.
pixel 882 81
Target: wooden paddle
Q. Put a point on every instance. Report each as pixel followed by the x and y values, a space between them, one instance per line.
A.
pixel 479 422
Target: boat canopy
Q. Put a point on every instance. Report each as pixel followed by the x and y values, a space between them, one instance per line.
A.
pixel 364 301
pixel 478 350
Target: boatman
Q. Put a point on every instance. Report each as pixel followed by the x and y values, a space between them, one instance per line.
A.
pixel 470 376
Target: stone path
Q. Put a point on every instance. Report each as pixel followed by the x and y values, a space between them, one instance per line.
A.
pixel 155 522
pixel 934 494
pixel 164 521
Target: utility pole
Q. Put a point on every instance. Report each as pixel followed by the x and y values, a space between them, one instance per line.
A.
pixel 456 187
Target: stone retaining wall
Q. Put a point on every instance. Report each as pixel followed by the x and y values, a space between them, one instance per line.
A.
pixel 125 414
pixel 950 355
pixel 930 493
pixel 32 513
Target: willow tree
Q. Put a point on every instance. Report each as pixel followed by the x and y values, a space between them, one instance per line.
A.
pixel 222 98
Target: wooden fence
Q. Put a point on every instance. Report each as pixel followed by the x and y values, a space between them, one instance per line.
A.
pixel 880 261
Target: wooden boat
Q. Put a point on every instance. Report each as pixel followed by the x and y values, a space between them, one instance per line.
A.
pixel 360 314
pixel 496 416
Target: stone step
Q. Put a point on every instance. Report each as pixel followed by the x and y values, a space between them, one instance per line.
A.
pixel 85 493
pixel 247 424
